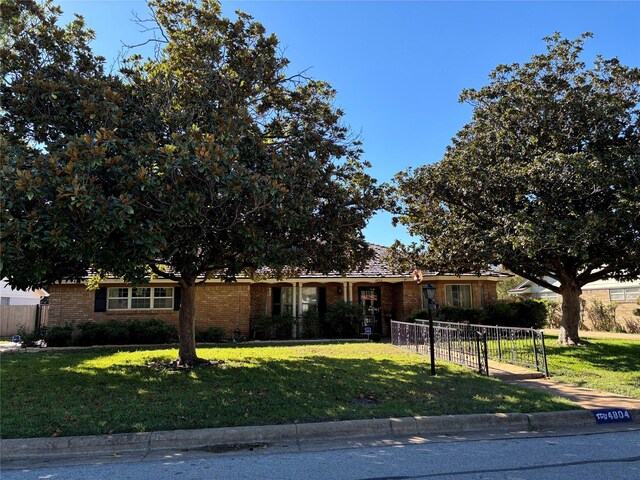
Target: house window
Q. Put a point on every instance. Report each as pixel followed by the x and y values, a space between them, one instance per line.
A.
pixel 624 294
pixel 458 295
pixel 309 299
pixel 140 298
pixel 282 301
pixel 5 301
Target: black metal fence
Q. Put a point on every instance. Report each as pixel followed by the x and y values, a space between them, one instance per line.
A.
pixel 456 345
pixel 473 345
pixel 518 346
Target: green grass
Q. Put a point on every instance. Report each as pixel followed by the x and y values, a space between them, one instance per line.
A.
pixel 101 391
pixel 609 365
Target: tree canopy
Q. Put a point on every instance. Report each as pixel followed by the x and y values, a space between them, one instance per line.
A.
pixel 208 160
pixel 544 180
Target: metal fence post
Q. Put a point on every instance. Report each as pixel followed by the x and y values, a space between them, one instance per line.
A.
pixel 544 356
pixel 499 343
pixel 486 353
pixel 478 352
pixel 535 350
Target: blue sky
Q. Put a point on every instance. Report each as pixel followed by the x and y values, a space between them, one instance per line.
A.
pixel 399 67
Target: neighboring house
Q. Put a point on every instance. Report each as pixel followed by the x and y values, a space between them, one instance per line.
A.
pixel 8 296
pixel 624 294
pixel 384 295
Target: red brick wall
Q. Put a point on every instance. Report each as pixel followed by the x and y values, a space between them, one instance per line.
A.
pixel 221 305
pixel 231 306
pixel 332 293
pixel 482 293
pixel 260 300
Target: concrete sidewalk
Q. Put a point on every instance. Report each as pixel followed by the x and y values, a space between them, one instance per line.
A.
pixel 585 397
pixel 223 440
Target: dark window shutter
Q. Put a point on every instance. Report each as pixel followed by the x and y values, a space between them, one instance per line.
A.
pixel 276 295
pixel 176 298
pixel 322 300
pixel 100 301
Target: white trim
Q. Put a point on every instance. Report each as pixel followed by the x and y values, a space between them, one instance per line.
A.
pixel 130 297
pixel 113 282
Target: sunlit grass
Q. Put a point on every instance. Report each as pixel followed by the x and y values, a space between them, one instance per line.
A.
pixel 102 391
pixel 608 365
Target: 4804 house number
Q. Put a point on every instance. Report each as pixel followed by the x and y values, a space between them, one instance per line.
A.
pixel 612 415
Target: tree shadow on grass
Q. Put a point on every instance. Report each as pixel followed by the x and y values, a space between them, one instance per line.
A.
pixel 76 394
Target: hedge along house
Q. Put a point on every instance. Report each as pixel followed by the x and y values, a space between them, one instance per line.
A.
pixel 383 294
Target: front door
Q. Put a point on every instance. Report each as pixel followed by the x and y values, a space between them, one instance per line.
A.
pixel 369 298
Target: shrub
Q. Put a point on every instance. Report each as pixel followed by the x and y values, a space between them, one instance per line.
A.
pixel 420 313
pixel 343 320
pixel 211 335
pixel 29 339
pixel 525 313
pixel 273 327
pixel 59 336
pixel 632 326
pixel 554 313
pixel 310 324
pixel 112 332
pixel 151 331
pixel 461 315
pixel 603 316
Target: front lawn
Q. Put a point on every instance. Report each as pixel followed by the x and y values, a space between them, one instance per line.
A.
pixel 101 391
pixel 609 365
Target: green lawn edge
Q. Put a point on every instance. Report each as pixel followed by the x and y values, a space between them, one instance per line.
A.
pixel 112 390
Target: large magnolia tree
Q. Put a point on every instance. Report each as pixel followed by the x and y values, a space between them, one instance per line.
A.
pixel 208 160
pixel 544 180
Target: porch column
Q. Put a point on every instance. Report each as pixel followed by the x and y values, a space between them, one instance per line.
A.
pixel 299 316
pixel 350 288
pixel 344 291
pixel 268 307
pixel 294 307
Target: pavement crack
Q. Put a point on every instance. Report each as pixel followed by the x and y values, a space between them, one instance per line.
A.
pixel 507 469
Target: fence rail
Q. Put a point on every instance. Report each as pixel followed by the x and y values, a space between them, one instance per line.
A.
pixel 473 345
pixel 518 346
pixel 459 346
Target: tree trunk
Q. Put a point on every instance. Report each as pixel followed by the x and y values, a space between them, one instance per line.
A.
pixel 186 324
pixel 570 315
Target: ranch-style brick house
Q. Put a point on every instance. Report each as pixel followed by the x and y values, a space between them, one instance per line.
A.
pixel 235 306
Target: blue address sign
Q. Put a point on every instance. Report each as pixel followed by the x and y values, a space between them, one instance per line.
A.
pixel 612 415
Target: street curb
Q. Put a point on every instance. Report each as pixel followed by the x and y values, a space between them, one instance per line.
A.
pixel 11 449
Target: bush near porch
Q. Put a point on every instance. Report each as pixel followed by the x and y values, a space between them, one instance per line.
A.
pixel 525 313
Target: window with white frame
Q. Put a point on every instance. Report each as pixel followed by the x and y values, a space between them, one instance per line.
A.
pixel 458 295
pixel 624 294
pixel 282 300
pixel 140 298
pixel 309 299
